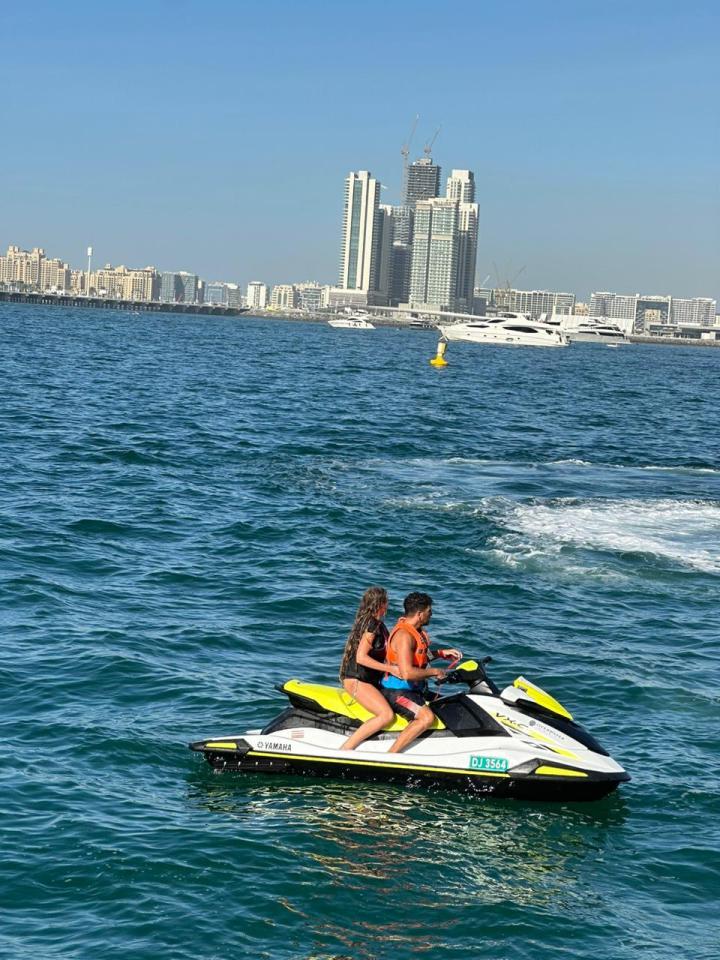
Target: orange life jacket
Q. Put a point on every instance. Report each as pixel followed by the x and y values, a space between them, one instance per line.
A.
pixel 420 656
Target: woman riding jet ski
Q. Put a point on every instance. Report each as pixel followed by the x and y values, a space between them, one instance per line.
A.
pixel 518 742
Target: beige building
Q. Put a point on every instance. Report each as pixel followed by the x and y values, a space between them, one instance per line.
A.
pixel 55 276
pixel 283 297
pixel 31 268
pixel 121 283
pixel 22 266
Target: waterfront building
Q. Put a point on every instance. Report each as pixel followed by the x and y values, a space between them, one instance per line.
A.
pixel 78 281
pixel 468 217
pixel 219 294
pixel 121 283
pixel 178 287
pixel 283 297
pixel 651 310
pixel 55 276
pixel 434 268
pixel 216 293
pixel 22 267
pixel 362 233
pixel 395 254
pixel 401 266
pixel 621 308
pixel 234 295
pixel 698 310
pixel 640 313
pixel 534 302
pixel 256 296
pixel 460 186
pixel 311 296
pixel 386 236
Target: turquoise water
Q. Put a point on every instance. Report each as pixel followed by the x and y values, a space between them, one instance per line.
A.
pixel 190 509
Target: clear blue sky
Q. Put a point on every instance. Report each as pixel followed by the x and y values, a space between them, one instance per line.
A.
pixel 215 136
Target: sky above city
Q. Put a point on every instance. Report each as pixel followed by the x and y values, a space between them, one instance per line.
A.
pixel 215 136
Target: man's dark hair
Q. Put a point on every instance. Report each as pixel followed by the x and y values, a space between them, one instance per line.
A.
pixel 416 601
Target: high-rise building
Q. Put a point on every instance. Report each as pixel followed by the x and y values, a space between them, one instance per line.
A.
pixel 461 186
pixel 468 216
pixel 257 295
pixel 362 233
pixel 434 269
pixel 422 181
pixel 385 263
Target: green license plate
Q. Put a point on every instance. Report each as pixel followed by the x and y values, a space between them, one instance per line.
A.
pixel 495 764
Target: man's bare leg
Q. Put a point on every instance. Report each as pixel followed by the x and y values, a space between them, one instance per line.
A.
pixel 412 731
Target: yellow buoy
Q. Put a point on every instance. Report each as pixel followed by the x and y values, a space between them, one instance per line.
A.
pixel 439 359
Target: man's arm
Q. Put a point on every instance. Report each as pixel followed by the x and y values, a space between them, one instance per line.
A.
pixel 446 653
pixel 405 647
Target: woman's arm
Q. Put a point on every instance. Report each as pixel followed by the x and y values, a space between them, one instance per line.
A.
pixel 365 660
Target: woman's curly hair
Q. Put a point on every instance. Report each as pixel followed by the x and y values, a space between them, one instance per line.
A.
pixel 372 600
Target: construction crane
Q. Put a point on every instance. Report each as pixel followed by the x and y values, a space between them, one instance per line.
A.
pixel 427 149
pixel 501 293
pixel 507 285
pixel 405 149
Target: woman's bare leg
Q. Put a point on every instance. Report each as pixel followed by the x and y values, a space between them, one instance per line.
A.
pixel 369 697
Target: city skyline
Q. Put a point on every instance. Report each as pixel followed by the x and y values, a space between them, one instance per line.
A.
pixel 591 135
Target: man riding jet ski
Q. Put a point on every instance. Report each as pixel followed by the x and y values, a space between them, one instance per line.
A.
pixel 518 742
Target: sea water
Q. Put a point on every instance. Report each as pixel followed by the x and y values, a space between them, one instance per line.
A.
pixel 190 509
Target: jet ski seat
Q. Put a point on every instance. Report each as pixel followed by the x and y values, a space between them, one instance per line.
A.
pixel 325 699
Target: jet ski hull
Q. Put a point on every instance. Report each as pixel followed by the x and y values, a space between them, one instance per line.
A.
pixel 535 787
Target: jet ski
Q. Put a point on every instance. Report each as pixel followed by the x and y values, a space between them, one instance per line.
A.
pixel 519 742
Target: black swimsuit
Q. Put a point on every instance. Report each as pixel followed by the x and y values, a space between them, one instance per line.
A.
pixel 355 670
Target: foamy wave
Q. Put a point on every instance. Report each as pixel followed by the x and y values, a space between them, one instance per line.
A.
pixel 685 532
pixel 437 463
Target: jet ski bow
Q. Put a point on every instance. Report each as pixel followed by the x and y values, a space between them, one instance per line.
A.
pixel 519 742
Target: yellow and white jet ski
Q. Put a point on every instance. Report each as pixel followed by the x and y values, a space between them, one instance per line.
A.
pixel 518 742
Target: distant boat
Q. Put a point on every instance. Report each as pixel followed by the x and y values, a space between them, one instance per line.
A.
pixel 420 324
pixel 589 329
pixel 351 322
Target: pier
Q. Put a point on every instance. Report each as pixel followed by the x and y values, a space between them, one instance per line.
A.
pixel 130 306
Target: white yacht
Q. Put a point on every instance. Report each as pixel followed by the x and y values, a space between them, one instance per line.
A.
pixel 591 330
pixel 352 321
pixel 588 329
pixel 507 329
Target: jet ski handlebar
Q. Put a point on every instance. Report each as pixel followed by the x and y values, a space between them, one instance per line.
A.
pixel 473 673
